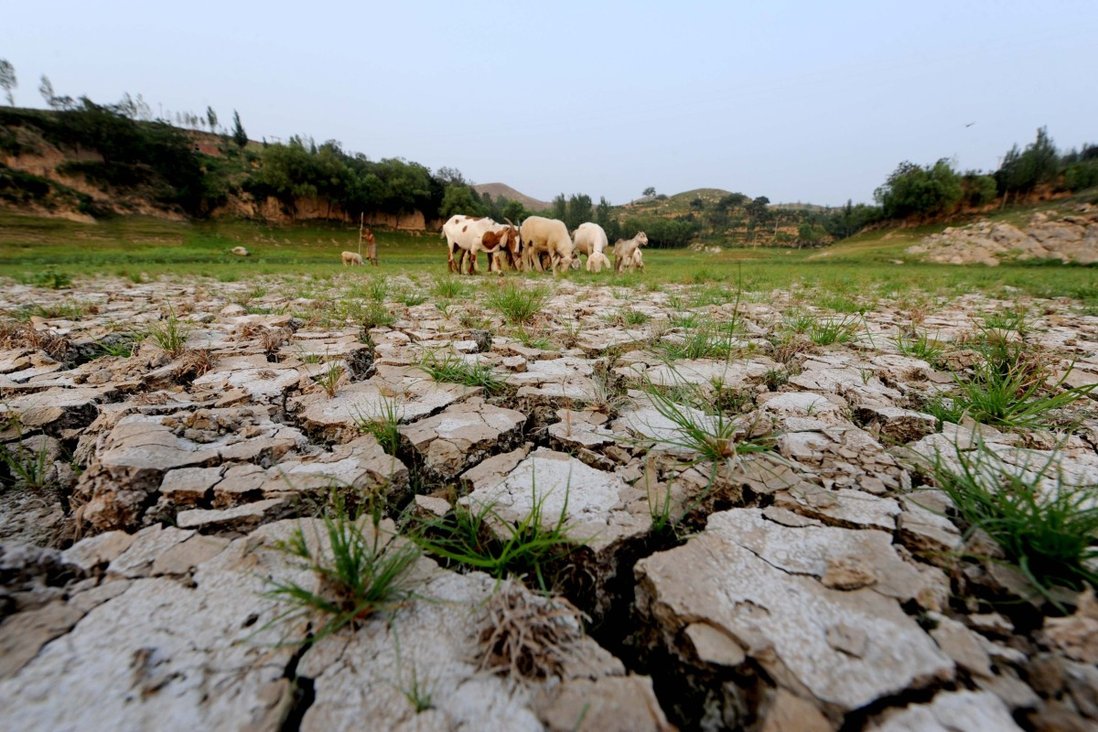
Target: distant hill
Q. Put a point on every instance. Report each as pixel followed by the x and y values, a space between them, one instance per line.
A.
pixel 495 190
pixel 675 205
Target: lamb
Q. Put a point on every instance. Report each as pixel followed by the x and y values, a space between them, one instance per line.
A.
pixel 538 235
pixel 350 259
pixel 597 260
pixel 239 251
pixel 624 250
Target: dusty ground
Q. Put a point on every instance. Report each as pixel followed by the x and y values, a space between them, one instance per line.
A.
pixel 815 581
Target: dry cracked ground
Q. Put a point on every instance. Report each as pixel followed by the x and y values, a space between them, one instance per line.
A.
pixel 740 496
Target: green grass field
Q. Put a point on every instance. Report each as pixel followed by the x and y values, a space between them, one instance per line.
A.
pixel 853 273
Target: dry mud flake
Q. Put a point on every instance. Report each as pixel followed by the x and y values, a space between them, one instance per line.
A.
pixel 168 654
pixel 123 479
pixel 463 435
pixel 430 650
pixel 402 392
pixel 756 584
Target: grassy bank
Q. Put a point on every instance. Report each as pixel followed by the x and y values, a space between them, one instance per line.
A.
pixel 852 273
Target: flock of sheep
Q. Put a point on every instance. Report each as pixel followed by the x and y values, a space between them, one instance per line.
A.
pixel 537 244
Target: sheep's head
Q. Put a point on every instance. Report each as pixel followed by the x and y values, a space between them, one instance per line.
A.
pixel 641 238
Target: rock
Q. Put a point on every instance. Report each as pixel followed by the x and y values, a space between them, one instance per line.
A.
pixel 245 517
pixel 789 713
pixel 843 507
pixel 925 529
pixel 98 551
pixel 261 380
pixel 950 711
pixel 901 426
pixel 1076 636
pixel 463 435
pixel 960 644
pixel 758 593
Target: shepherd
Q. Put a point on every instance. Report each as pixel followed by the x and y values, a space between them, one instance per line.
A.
pixel 365 235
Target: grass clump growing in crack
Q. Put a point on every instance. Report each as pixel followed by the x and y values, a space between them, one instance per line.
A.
pixel 170 334
pixel 1045 525
pixel 1009 387
pixel 526 636
pixel 920 345
pixel 481 539
pixel 385 427
pixel 449 288
pixel 359 571
pixel 518 304
pixel 707 340
pixel 824 332
pixel 456 370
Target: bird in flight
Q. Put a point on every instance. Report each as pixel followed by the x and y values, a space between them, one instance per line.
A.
pixel 970 124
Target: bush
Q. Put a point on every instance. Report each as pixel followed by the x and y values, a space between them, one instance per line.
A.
pixel 915 190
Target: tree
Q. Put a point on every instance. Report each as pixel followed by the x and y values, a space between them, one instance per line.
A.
pixel 240 137
pixel 1022 172
pixel 45 88
pixel 697 203
pixel 579 210
pixel 211 118
pixel 649 192
pixel 7 79
pixel 915 190
pixel 559 209
pixel 460 199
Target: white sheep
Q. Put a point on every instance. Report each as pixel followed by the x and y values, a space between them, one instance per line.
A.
pixel 550 236
pixel 239 251
pixel 590 238
pixel 350 259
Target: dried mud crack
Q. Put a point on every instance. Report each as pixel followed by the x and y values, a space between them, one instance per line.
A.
pixel 748 514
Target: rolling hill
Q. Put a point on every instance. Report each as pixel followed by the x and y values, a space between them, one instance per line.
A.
pixel 495 190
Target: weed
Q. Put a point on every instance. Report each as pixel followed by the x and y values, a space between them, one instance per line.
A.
pixel 708 340
pixel 921 346
pixel 518 304
pixel 632 316
pixel 413 298
pixel 456 370
pixel 449 288
pixel 359 572
pixel 378 289
pixel 1046 526
pixel 713 436
pixel 1009 388
pixel 827 332
pixel 800 322
pixel 50 278
pixel 62 311
pixel 482 539
pixel 532 339
pixel 775 378
pixel 170 334
pixel 28 466
pixel 329 378
pixel 526 636
pixel 385 427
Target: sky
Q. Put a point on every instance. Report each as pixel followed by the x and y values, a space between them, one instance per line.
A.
pixel 798 101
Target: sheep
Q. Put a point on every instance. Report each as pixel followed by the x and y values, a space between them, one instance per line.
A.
pixel 474 235
pixel 539 234
pixel 350 259
pixel 636 261
pixel 589 238
pixel 239 251
pixel 597 260
pixel 624 249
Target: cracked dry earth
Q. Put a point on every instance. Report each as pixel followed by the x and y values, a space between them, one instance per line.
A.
pixel 819 584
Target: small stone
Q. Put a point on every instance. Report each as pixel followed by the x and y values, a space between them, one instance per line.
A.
pixel 848 573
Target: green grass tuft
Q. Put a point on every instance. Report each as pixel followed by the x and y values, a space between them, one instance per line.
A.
pixel 518 304
pixel 456 370
pixel 1047 527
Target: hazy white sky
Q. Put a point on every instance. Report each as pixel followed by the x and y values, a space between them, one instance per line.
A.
pixel 798 101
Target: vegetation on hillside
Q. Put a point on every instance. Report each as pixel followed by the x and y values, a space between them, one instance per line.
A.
pixel 122 153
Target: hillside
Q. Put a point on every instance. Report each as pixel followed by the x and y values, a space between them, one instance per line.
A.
pixel 498 190
pixel 725 218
